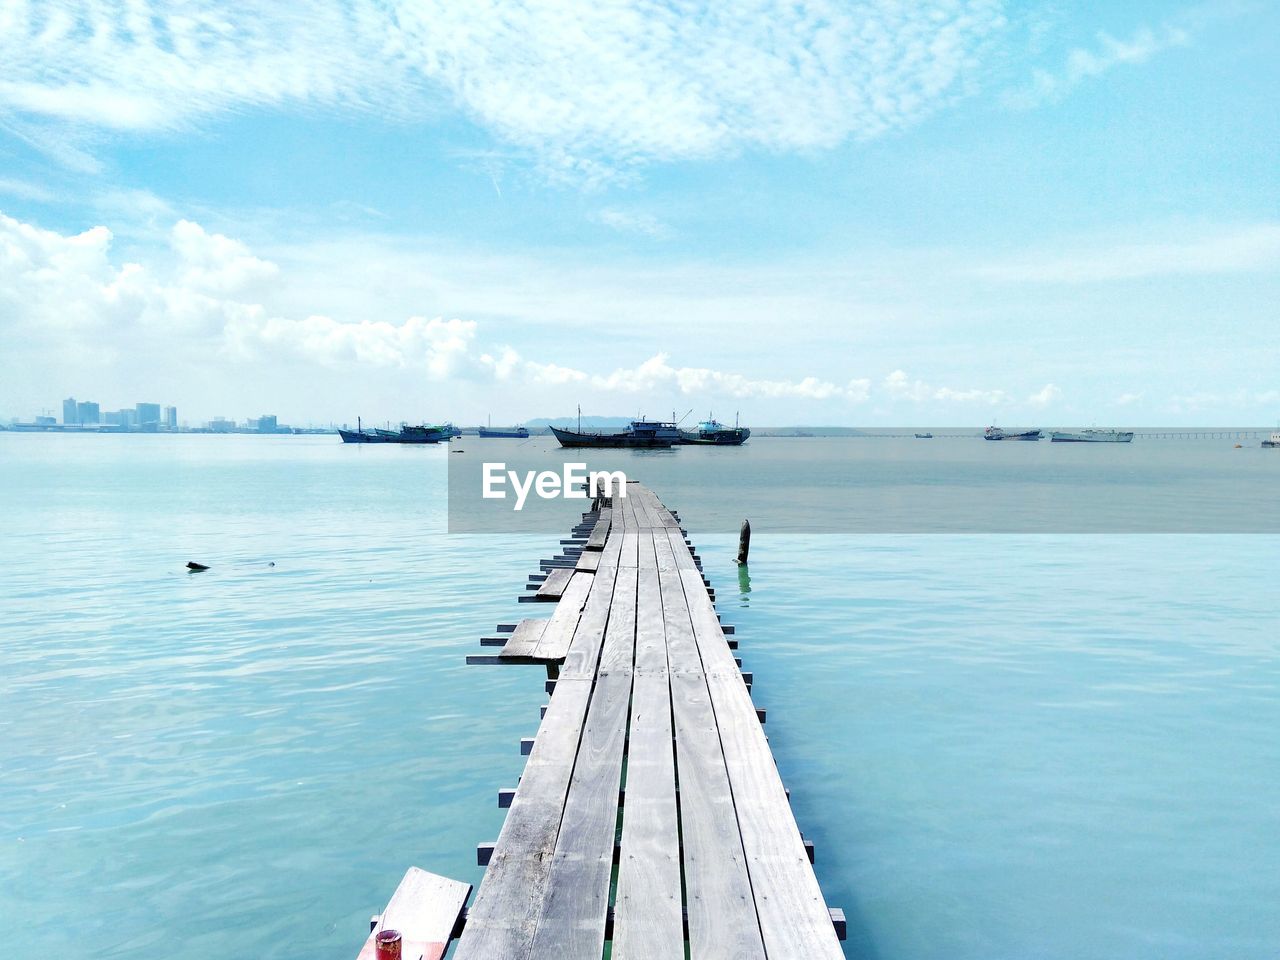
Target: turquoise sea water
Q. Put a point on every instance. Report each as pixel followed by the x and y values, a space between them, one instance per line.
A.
pixel 1004 746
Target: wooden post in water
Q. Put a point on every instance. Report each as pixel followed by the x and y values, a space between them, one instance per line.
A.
pixel 744 543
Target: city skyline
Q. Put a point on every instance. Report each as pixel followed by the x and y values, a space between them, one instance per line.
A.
pixel 951 213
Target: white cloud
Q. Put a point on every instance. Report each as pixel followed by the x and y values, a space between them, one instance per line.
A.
pixel 1045 396
pixel 898 386
pixel 1082 64
pixel 214 264
pixel 26 191
pixel 657 375
pixel 589 89
pixel 1128 399
pixel 1231 250
pixel 211 296
pixel 625 221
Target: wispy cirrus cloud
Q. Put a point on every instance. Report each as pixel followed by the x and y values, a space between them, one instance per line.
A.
pixel 590 90
pixel 1082 64
pixel 1241 249
pixel 630 221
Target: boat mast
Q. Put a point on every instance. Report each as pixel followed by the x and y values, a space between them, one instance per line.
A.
pixel 579 418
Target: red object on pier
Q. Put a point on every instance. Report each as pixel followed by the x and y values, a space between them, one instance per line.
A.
pixel 388 945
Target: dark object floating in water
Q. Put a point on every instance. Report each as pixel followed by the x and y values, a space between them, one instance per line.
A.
pixel 195 567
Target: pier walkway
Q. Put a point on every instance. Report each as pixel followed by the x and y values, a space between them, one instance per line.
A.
pixel 650 812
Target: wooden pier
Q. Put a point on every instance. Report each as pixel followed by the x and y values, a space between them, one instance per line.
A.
pixel 650 813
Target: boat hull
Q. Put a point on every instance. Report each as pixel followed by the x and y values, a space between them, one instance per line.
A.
pixel 731 437
pixel 570 438
pixel 359 436
pixel 1108 436
pixel 519 433
pixel 1024 435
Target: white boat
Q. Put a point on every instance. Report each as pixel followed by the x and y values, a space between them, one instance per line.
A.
pixel 1273 440
pixel 1091 436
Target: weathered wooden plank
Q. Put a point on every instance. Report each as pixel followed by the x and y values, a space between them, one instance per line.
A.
pixel 574 913
pixel 600 531
pixel 628 555
pixel 582 655
pixel 618 655
pixel 503 919
pixel 554 641
pixel 648 917
pixel 794 919
pixel 524 639
pixel 721 911
pixel 554 585
pixel 424 909
pixel 588 562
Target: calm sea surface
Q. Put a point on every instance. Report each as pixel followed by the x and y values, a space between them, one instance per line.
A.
pixel 1004 746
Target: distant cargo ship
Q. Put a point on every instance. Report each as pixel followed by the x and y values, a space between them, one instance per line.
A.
pixel 715 433
pixel 924 436
pixel 649 434
pixel 1091 436
pixel 521 433
pixel 995 433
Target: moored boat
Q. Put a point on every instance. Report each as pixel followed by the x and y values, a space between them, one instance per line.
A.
pixel 1091 436
pixel 995 433
pixel 521 433
pixel 361 436
pixel 715 433
pixel 423 433
pixel 1273 440
pixel 648 434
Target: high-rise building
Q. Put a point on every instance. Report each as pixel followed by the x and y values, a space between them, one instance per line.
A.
pixel 70 412
pixel 267 423
pixel 129 419
pixel 112 418
pixel 171 417
pixel 221 425
pixel 148 413
pixel 87 412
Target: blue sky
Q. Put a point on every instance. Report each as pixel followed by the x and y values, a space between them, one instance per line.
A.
pixel 863 214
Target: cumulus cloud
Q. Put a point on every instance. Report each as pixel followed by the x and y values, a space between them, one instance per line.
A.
pixel 590 89
pixel 209 294
pixel 1046 395
pixel 899 386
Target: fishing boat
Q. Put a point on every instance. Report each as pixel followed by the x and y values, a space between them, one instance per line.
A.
pixel 648 434
pixel 360 435
pixel 995 433
pixel 712 432
pixel 1091 436
pixel 1273 440
pixel 424 433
